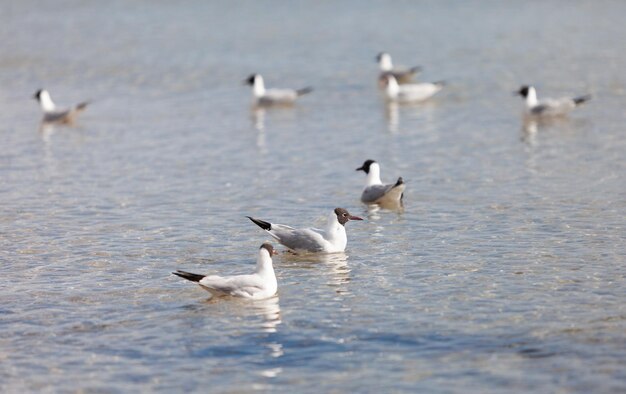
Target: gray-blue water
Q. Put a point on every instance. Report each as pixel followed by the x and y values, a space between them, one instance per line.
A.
pixel 505 271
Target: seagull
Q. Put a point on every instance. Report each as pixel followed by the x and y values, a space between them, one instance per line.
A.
pixel 331 240
pixel 260 285
pixel 51 114
pixel 549 107
pixel 411 92
pixel 377 193
pixel 264 96
pixel 402 75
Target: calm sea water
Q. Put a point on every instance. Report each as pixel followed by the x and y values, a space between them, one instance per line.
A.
pixel 506 271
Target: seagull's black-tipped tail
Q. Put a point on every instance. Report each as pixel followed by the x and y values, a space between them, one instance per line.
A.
pixel 399 182
pixel 303 91
pixel 82 106
pixel 264 225
pixel 415 70
pixel 440 83
pixel 582 99
pixel 188 276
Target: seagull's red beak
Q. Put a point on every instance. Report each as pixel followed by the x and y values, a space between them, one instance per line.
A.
pixel 354 218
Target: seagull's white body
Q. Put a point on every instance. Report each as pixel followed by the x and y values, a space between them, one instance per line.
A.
pixel 413 92
pixel 375 192
pixel 263 96
pixel 52 114
pixel 549 107
pixel 331 239
pixel 402 75
pixel 257 286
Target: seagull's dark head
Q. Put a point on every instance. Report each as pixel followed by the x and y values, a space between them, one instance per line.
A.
pixel 343 216
pixel 383 56
pixel 270 249
pixel 37 95
pixel 523 91
pixel 366 166
pixel 250 80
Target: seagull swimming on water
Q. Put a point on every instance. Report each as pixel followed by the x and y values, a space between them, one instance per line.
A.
pixel 375 191
pixel 263 96
pixel 412 92
pixel 52 114
pixel 402 75
pixel 311 240
pixel 549 107
pixel 260 285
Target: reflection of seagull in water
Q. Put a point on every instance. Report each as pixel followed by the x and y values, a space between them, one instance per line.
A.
pixel 393 115
pixel 413 92
pixel 402 75
pixel 333 267
pixel 337 269
pixel 258 117
pixel 262 284
pixel 269 310
pixel 532 125
pixel 529 130
pixel 52 114
pixel 377 193
pixel 549 107
pixel 264 96
pixel 330 240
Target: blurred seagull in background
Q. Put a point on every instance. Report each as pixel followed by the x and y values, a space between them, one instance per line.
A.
pixel 411 92
pixel 52 114
pixel 375 191
pixel 260 285
pixel 402 75
pixel 549 107
pixel 330 240
pixel 264 96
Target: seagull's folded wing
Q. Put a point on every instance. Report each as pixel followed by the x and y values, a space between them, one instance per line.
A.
pixel 307 239
pixel 232 285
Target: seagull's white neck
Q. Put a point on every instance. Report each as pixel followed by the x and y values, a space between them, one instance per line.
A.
pixel 385 62
pixel 46 101
pixel 336 234
pixel 258 88
pixel 264 263
pixel 392 87
pixel 333 222
pixel 531 97
pixel 373 176
pixel 333 226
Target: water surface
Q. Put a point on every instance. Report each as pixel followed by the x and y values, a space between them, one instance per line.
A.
pixel 505 271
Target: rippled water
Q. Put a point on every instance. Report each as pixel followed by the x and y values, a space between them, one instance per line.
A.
pixel 505 271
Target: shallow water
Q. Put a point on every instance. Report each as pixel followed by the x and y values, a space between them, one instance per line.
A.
pixel 505 270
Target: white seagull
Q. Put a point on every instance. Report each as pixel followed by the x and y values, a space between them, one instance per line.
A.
pixel 549 107
pixel 264 96
pixel 311 240
pixel 260 285
pixel 52 114
pixel 413 92
pixel 375 191
pixel 402 75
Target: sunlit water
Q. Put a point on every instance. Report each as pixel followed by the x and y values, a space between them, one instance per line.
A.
pixel 505 271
